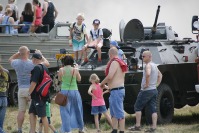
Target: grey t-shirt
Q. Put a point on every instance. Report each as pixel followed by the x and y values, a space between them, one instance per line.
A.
pixel 153 77
pixel 23 70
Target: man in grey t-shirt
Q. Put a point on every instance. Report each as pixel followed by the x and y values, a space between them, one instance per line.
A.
pixel 23 66
pixel 148 93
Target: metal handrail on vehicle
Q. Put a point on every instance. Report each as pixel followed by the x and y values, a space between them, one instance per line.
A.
pixel 20 25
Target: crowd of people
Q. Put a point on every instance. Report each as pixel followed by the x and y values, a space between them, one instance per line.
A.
pixel 35 17
pixel 29 76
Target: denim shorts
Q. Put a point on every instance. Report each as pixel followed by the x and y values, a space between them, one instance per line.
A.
pixel 77 46
pixel 116 103
pixel 147 98
pixel 98 109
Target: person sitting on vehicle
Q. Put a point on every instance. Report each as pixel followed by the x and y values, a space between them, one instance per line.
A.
pixel 8 20
pixel 1 9
pixel 121 54
pixel 1 16
pixel 26 17
pixel 95 40
pixel 49 15
pixel 13 6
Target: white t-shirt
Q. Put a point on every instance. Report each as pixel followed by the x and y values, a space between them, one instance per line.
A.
pixel 95 35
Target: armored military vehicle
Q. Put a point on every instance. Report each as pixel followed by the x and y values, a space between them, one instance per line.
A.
pixel 175 59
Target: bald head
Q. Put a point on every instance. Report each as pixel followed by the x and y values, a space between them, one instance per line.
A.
pixel 113 51
pixel 147 53
pixel 23 50
pixel 147 56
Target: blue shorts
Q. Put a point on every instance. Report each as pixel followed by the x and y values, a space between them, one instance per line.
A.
pixel 77 46
pixel 98 109
pixel 147 98
pixel 116 103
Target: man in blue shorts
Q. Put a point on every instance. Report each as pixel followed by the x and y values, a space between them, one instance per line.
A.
pixel 115 73
pixel 148 93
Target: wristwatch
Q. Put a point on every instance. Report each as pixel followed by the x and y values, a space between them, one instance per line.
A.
pixel 29 94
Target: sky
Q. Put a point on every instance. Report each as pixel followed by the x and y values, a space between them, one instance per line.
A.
pixel 175 13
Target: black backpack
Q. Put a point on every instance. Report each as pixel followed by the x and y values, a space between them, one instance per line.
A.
pixel 83 25
pixel 106 33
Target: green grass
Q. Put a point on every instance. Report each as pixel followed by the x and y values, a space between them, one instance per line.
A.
pixel 186 120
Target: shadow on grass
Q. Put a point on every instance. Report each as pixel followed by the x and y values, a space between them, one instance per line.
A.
pixel 186 119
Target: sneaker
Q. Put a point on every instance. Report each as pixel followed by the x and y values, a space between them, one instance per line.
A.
pixel 19 131
pixel 82 131
pixel 150 130
pixel 79 61
pixel 98 131
pixel 134 128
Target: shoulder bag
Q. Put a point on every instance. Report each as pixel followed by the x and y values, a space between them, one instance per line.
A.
pixel 60 98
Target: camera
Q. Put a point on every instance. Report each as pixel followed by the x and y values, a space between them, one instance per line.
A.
pixel 32 50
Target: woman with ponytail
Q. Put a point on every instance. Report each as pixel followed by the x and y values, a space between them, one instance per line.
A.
pixel 37 19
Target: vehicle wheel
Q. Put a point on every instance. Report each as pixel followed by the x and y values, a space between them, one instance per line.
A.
pixel 13 96
pixel 165 104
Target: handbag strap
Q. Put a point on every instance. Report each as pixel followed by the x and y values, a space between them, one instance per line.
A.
pixel 71 78
pixel 70 81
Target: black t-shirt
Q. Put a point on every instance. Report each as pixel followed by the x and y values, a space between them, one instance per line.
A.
pixel 36 76
pixel 27 17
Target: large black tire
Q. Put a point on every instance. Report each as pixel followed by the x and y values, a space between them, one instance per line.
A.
pixel 165 104
pixel 13 95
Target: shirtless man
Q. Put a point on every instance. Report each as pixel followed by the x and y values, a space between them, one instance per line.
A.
pixel 115 79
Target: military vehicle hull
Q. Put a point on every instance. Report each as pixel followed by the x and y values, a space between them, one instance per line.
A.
pixel 50 44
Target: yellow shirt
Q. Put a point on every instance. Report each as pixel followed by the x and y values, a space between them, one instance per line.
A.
pixel 3 81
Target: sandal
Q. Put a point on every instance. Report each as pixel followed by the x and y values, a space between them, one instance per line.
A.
pixel 135 128
pixel 98 131
pixel 150 130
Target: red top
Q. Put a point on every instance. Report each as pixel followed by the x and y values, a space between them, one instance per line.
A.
pixel 98 93
pixel 38 20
